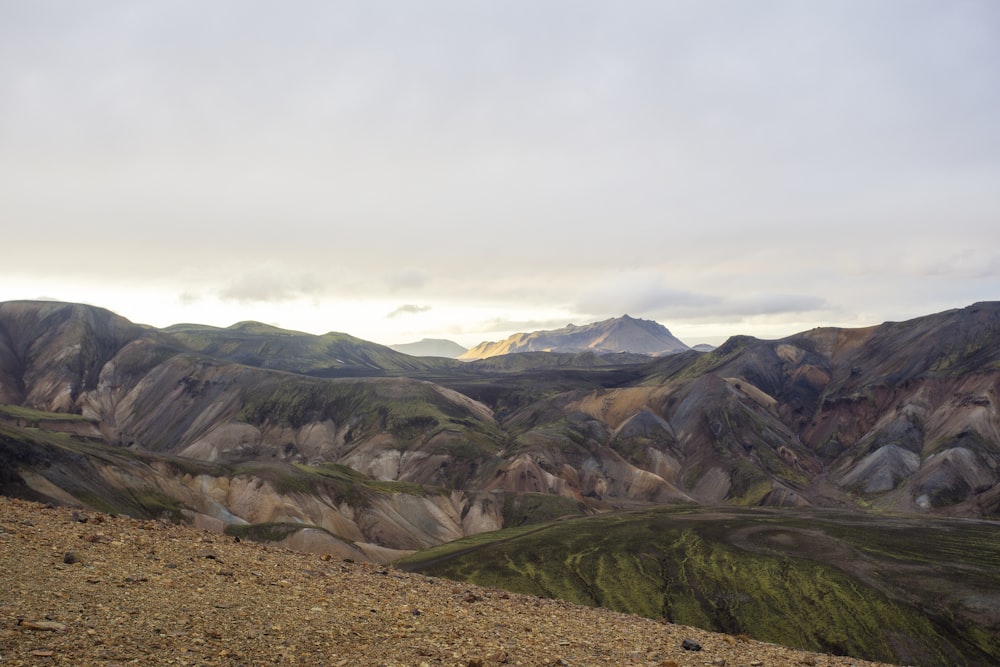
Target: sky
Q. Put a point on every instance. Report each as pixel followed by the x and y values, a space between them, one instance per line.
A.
pixel 468 169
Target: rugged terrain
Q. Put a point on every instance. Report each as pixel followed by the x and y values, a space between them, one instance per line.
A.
pixel 901 416
pixel 346 448
pixel 92 589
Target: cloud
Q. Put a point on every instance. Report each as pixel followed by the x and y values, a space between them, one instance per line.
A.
pixel 771 304
pixel 407 279
pixel 270 287
pixel 187 298
pixel 640 292
pixel 408 309
pixel 506 326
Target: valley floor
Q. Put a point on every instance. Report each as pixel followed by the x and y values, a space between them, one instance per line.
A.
pixel 90 589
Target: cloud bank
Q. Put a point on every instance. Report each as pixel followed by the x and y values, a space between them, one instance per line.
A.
pixel 707 164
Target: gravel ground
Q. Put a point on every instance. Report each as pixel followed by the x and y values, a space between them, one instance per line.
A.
pixel 82 588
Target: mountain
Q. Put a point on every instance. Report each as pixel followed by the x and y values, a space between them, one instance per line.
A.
pixel 431 347
pixel 621 334
pixel 901 415
pixel 330 355
pixel 332 443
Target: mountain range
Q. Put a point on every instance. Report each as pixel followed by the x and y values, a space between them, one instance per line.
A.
pixel 903 415
pixel 331 443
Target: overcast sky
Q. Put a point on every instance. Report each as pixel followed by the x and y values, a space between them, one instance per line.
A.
pixel 469 169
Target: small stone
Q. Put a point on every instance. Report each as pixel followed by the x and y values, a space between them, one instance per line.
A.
pixel 69 558
pixel 207 553
pixel 40 653
pixel 690 645
pixel 79 517
pixel 44 626
pixel 470 597
pixel 720 662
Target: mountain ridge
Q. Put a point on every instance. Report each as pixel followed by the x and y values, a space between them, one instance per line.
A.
pixel 385 459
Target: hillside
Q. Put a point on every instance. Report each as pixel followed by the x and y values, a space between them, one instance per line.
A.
pixel 901 416
pixel 258 431
pixel 330 355
pixel 862 585
pixel 87 588
pixel 621 334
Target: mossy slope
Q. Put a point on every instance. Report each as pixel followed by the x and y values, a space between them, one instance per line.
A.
pixel 810 580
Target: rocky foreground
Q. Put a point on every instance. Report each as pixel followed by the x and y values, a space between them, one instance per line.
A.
pixel 81 588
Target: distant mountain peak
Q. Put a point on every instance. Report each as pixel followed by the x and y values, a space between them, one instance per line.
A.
pixel 617 334
pixel 431 347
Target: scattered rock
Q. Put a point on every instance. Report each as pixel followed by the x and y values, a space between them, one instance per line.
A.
pixel 69 558
pixel 470 597
pixel 79 517
pixel 690 645
pixel 42 653
pixel 44 626
pixel 208 553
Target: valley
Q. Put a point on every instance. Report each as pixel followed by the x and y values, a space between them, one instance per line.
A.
pixel 788 461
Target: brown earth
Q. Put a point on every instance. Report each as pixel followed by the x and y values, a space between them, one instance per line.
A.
pixel 92 589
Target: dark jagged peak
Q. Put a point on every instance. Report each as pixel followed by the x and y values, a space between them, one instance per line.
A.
pixel 620 334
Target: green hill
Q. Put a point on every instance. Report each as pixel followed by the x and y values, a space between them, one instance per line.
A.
pixel 881 588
